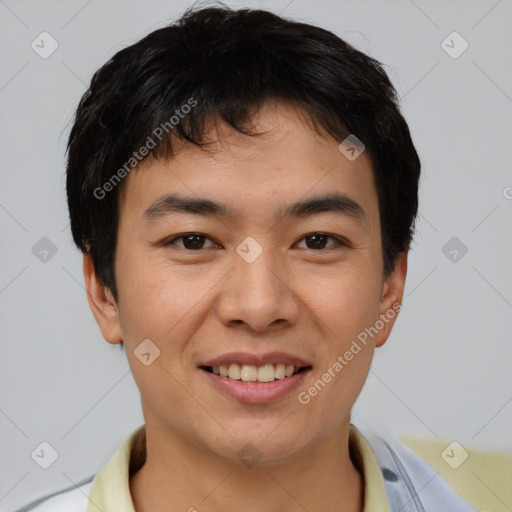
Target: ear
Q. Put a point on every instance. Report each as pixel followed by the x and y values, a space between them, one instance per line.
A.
pixel 391 298
pixel 102 303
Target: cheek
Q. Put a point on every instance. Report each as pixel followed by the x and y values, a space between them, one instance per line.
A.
pixel 344 307
pixel 346 301
pixel 163 305
pixel 160 301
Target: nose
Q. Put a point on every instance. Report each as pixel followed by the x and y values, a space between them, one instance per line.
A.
pixel 258 295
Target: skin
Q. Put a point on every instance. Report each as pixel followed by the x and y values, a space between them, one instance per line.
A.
pixel 196 305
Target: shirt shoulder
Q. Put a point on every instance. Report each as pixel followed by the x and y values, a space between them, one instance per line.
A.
pixel 128 458
pixel 411 484
pixel 483 478
pixel 73 499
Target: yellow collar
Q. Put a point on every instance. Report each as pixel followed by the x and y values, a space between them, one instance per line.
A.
pixel 110 491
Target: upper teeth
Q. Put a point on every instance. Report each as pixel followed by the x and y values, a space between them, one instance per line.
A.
pixel 250 373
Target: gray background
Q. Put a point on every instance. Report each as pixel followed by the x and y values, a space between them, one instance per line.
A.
pixel 445 371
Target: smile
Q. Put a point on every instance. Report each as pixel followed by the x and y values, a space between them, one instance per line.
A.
pixel 252 373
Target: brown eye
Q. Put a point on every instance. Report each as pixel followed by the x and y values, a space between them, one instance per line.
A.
pixel 191 241
pixel 318 241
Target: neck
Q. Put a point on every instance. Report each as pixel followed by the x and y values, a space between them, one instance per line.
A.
pixel 178 476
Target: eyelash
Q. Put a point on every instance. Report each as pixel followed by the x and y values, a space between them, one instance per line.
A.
pixel 338 240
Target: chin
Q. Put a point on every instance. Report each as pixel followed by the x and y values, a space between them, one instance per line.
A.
pixel 264 445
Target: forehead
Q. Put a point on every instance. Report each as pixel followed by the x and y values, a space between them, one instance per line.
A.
pixel 250 175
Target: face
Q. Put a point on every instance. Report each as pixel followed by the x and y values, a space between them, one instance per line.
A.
pixel 255 282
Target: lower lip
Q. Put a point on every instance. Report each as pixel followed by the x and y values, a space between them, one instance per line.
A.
pixel 257 392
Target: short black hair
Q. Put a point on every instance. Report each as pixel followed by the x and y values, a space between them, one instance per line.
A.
pixel 223 62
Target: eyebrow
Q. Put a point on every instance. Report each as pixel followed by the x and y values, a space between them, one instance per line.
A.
pixel 331 203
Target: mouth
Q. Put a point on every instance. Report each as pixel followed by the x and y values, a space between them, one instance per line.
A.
pixel 255 379
pixel 252 373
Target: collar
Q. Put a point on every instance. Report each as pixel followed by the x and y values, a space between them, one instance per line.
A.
pixel 110 489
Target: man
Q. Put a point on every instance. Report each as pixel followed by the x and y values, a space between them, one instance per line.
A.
pixel 244 190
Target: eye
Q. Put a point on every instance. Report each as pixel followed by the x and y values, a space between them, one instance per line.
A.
pixel 196 241
pixel 317 241
pixel 191 241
